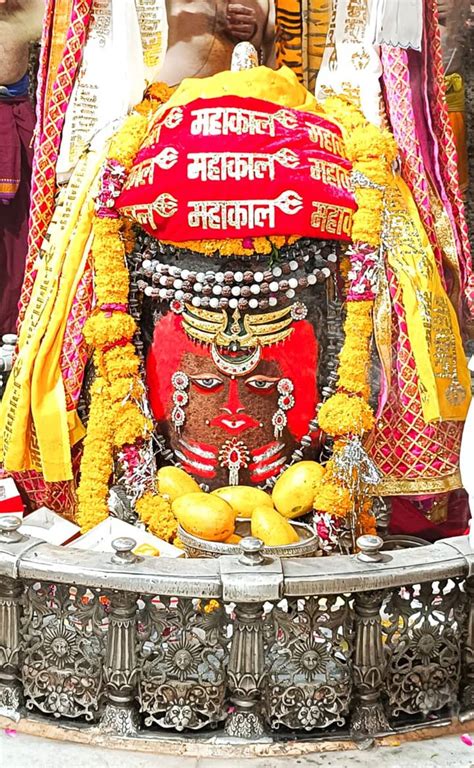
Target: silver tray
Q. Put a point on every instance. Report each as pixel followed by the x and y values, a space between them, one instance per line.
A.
pixel 307 546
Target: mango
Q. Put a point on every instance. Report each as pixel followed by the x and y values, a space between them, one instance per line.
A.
pixel 233 539
pixel 243 498
pixel 146 549
pixel 204 516
pixel 273 529
pixel 293 493
pixel 175 482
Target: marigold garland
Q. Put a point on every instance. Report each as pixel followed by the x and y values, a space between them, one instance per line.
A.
pixel 103 328
pixel 333 498
pixel 116 416
pixel 264 246
pixel 155 511
pixel 347 413
pixel 372 153
pixel 156 95
pixel 97 459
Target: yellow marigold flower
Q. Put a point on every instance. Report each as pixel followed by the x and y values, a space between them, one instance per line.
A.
pixel 369 141
pixel 155 511
pixel 128 140
pixel 345 415
pixel 234 247
pixel 130 424
pixel 121 362
pixel 211 606
pixel 104 328
pixel 333 498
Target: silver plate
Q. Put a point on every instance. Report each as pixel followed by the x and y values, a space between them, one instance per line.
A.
pixel 307 546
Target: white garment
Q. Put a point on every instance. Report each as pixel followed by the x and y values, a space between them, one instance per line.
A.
pixel 398 23
pixel 123 53
pixel 351 64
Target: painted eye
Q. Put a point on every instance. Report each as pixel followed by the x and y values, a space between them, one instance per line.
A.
pixel 263 385
pixel 207 383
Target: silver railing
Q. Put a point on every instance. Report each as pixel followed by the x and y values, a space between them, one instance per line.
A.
pixel 343 646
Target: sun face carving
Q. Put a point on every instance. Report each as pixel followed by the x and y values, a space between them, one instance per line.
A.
pixel 182 659
pixel 311 656
pixel 60 645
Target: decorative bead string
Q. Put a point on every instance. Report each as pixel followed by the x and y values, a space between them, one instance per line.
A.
pixel 247 289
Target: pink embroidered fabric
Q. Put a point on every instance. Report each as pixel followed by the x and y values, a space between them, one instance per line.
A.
pixel 48 137
pixel 415 457
pixel 445 140
pixel 400 110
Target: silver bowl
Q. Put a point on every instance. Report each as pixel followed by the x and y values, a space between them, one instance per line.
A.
pixel 307 546
pixel 398 541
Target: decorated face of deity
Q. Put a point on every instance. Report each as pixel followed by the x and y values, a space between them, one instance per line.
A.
pixel 233 413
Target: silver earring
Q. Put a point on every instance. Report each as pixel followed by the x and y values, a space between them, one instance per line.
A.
pixel 180 382
pixel 286 401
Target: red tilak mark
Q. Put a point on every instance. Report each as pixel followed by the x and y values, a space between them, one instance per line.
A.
pixel 192 455
pixel 198 471
pixel 264 448
pixel 203 446
pixel 261 477
pixel 234 424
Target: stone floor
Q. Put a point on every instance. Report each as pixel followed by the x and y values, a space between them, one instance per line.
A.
pixel 21 751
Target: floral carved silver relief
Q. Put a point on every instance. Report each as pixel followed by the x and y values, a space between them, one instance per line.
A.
pixel 423 630
pixel 182 659
pixel 309 679
pixel 62 650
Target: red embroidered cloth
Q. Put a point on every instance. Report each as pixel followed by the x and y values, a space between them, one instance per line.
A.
pixel 240 167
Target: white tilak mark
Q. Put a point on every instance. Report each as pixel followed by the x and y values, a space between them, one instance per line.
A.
pixel 269 467
pixel 194 464
pixel 199 451
pixel 258 458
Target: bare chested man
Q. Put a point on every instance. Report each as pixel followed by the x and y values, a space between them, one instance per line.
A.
pixel 203 33
pixel 20 23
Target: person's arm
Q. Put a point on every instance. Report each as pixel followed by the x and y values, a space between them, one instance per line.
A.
pixel 443 10
pixel 268 44
pixel 241 22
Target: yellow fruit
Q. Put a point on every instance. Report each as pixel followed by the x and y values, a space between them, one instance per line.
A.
pixel 146 549
pixel 243 498
pixel 234 539
pixel 204 516
pixel 293 493
pixel 273 529
pixel 175 482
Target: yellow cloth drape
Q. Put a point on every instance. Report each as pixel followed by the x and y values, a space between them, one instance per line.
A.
pixel 35 428
pixel 444 380
pixel 280 86
pixel 456 102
